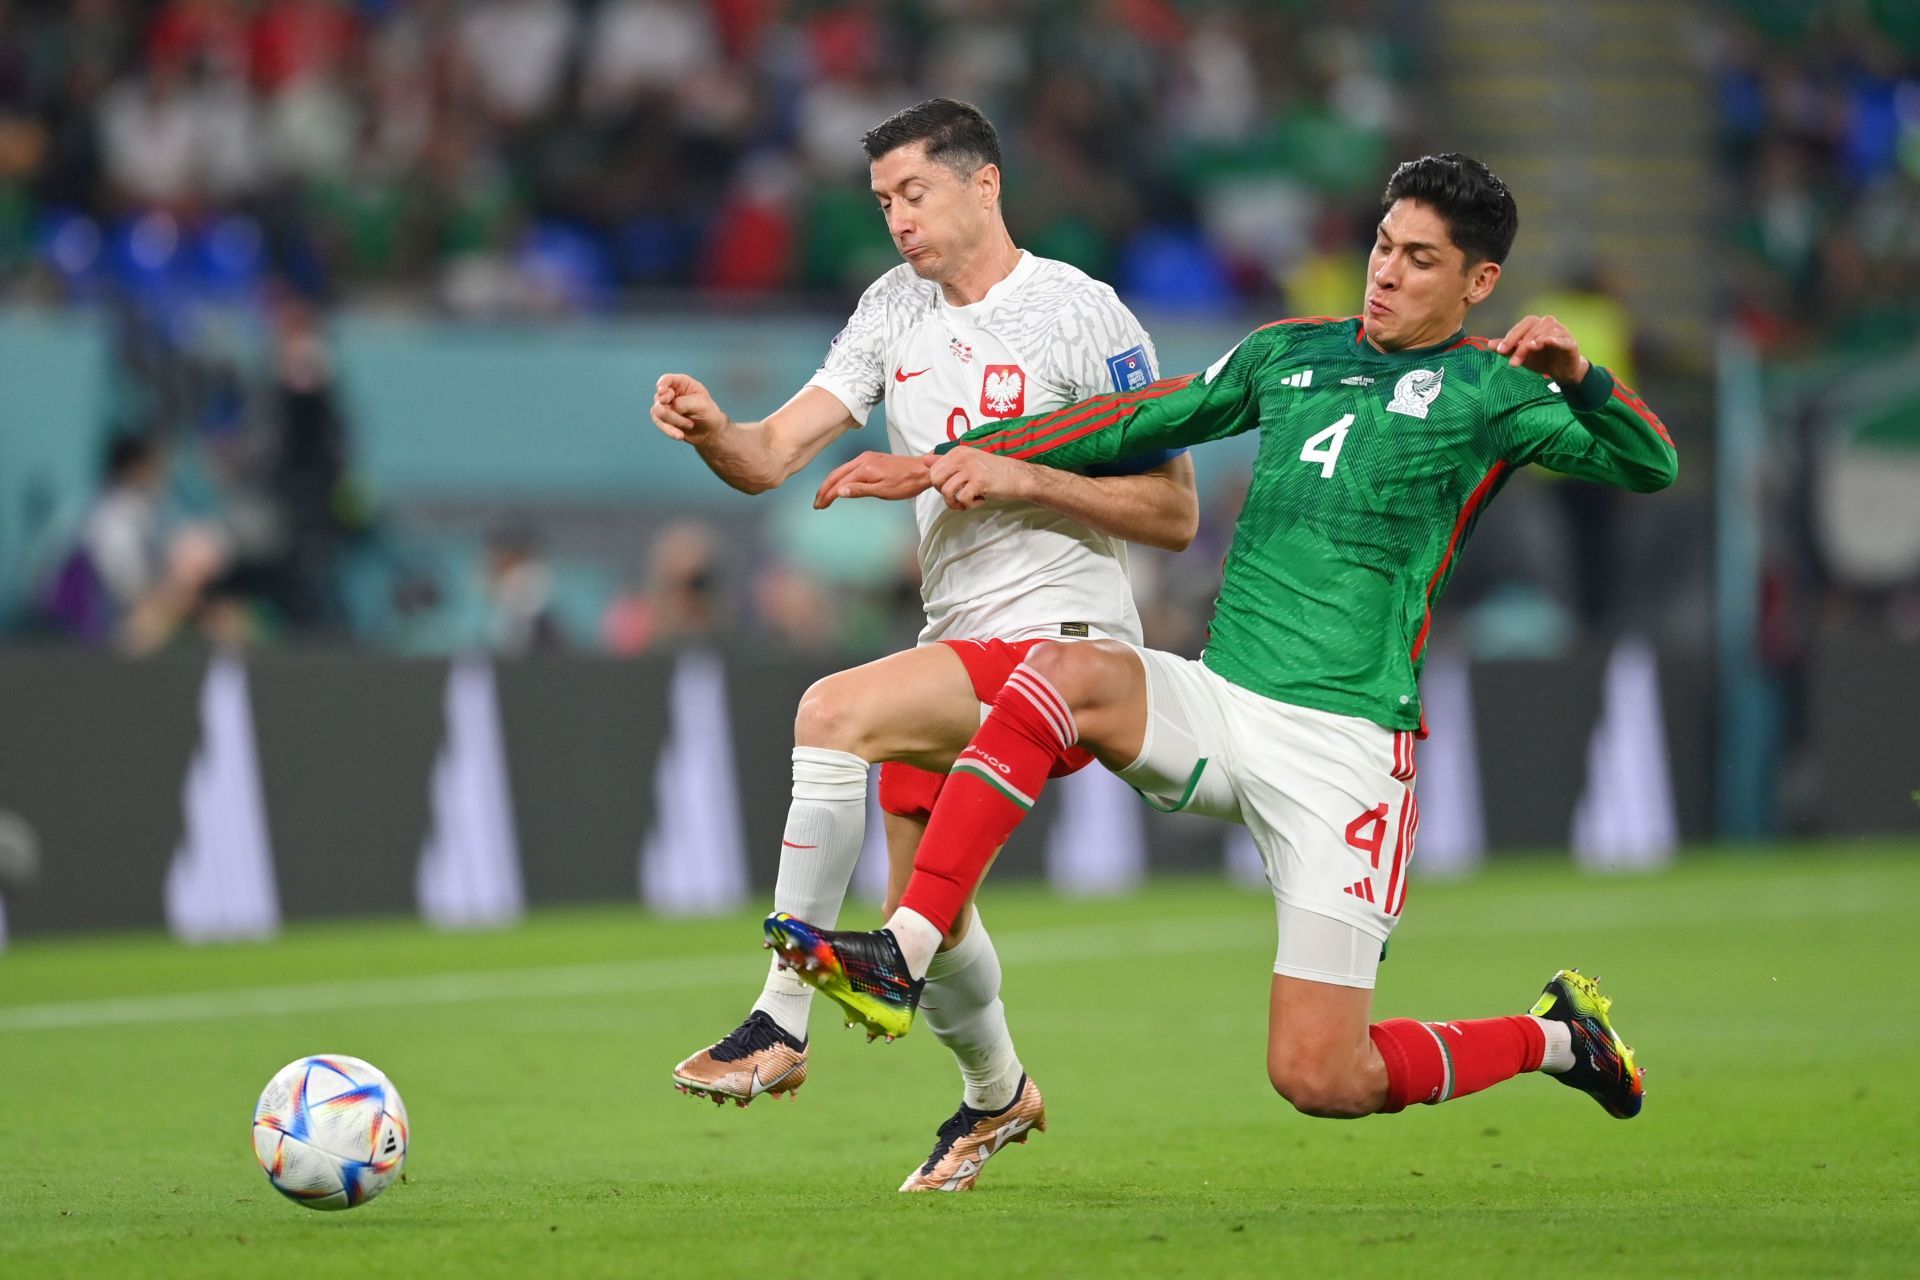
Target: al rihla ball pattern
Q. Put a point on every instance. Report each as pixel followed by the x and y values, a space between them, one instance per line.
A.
pixel 330 1131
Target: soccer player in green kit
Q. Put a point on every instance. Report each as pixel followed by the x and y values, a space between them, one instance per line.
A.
pixel 1382 438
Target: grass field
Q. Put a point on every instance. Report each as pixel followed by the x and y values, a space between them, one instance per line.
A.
pixel 1771 996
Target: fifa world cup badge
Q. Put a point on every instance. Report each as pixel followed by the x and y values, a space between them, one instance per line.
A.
pixel 1130 369
pixel 1415 393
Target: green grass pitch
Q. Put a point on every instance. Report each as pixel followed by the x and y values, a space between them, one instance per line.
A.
pixel 1772 997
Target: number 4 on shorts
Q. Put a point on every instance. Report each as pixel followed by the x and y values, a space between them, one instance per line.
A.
pixel 1323 447
pixel 1367 833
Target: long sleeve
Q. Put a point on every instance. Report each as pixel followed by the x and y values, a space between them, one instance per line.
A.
pixel 1169 414
pixel 1599 430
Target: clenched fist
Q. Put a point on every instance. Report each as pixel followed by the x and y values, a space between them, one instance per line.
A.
pixel 683 409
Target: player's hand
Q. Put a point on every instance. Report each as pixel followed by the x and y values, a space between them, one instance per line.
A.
pixel 1542 344
pixel 966 477
pixel 683 409
pixel 874 475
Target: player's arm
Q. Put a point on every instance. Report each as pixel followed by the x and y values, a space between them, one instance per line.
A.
pixel 1158 506
pixel 751 456
pixel 1099 345
pixel 1596 429
pixel 756 456
pixel 1172 413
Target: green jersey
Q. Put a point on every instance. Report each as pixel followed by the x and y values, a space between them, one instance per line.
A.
pixel 1373 468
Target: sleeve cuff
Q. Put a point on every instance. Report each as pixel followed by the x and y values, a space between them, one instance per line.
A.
pixel 1592 393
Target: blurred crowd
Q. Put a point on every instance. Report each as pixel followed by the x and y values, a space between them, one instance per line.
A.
pixel 216 176
pixel 554 156
pixel 1820 135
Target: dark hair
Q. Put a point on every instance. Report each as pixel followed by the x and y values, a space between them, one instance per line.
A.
pixel 1469 197
pixel 956 134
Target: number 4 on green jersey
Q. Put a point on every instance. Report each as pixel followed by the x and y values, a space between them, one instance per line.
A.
pixel 1336 565
pixel 1324 448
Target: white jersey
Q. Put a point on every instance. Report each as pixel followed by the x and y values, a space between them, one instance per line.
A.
pixel 1044 337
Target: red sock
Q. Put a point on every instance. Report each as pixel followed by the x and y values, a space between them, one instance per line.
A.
pixel 992 786
pixel 1434 1061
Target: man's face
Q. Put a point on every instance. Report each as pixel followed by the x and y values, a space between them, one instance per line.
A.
pixel 935 216
pixel 1419 283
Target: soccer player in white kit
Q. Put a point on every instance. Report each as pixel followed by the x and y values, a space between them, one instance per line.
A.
pixel 969 330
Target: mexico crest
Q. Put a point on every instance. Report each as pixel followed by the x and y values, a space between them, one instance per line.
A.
pixel 1415 393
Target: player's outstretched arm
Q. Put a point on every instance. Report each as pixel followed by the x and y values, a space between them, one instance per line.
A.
pixel 1596 429
pixel 751 456
pixel 1169 414
pixel 1157 507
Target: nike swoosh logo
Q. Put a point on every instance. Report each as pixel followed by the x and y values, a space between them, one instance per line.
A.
pixel 756 1086
pixel 900 375
pixel 788 844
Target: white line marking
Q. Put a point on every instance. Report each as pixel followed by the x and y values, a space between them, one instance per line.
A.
pixel 1052 946
pixel 1088 943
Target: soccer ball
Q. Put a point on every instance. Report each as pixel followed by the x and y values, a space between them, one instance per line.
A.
pixel 330 1131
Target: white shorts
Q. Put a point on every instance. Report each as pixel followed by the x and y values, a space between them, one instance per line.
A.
pixel 1328 799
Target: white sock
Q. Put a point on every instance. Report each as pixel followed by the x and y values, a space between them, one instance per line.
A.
pixel 917 936
pixel 962 1008
pixel 826 824
pixel 1559 1056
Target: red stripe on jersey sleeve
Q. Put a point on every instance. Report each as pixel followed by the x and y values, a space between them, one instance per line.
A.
pixel 1102 407
pixel 1628 396
pixel 1058 420
pixel 1099 423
